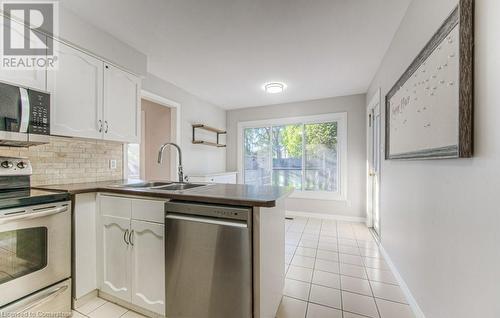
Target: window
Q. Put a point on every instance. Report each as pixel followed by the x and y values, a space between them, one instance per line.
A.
pixel 304 153
pixel 133 161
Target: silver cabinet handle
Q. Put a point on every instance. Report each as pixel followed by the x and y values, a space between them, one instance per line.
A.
pixel 207 220
pixel 125 235
pixel 100 125
pixel 107 126
pixel 130 237
pixel 33 215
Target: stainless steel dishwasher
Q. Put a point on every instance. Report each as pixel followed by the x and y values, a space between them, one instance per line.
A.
pixel 208 261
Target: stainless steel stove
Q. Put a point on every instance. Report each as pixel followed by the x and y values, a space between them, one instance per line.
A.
pixel 35 244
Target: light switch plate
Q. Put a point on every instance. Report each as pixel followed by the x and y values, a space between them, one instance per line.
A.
pixel 112 164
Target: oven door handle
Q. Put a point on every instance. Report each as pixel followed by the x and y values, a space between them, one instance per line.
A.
pixel 45 297
pixel 34 215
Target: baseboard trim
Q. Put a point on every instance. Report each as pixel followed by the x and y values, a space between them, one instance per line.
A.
pixel 326 216
pixel 411 300
pixel 129 306
pixel 77 303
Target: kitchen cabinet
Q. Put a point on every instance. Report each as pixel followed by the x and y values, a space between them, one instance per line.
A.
pixel 76 94
pixel 90 98
pixel 225 177
pixel 148 265
pixel 93 99
pixel 85 244
pixel 132 262
pixel 29 78
pixel 121 105
pixel 116 257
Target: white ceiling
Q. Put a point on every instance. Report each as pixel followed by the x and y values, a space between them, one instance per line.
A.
pixel 224 50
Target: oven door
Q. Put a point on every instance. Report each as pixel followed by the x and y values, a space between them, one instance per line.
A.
pixel 35 249
pixel 14 114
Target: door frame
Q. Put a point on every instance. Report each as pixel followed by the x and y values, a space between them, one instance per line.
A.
pixel 375 101
pixel 175 124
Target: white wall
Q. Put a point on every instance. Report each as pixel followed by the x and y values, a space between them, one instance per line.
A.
pixel 440 219
pixel 198 159
pixel 84 35
pixel 356 148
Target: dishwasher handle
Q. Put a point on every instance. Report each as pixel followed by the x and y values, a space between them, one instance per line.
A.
pixel 207 220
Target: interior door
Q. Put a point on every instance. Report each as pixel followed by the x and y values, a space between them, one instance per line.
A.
pixel 116 257
pixel 374 157
pixel 121 105
pixel 76 89
pixel 148 265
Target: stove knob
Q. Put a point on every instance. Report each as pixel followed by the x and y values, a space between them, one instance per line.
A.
pixel 22 165
pixel 7 164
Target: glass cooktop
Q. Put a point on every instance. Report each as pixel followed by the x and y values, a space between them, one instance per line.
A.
pixel 24 197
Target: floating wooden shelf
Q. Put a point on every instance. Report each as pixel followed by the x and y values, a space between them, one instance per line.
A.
pixel 211 129
pixel 208 143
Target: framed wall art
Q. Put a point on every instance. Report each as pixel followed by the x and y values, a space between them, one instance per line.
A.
pixel 429 110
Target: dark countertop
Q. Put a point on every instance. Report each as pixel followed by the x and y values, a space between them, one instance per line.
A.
pixel 27 197
pixel 230 194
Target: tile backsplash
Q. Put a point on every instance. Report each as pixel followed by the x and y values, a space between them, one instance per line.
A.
pixel 71 160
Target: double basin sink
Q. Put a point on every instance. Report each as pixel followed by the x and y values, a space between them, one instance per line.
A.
pixel 164 186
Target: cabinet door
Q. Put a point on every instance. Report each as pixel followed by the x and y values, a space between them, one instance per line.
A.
pixel 115 257
pixel 121 105
pixel 148 272
pixel 29 78
pixel 76 88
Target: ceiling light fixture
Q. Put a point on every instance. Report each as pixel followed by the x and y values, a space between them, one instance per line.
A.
pixel 274 88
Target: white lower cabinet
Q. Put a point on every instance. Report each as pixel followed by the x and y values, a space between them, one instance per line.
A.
pixel 132 262
pixel 116 257
pixel 224 177
pixel 148 265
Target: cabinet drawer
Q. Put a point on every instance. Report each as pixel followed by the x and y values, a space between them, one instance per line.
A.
pixel 148 210
pixel 115 206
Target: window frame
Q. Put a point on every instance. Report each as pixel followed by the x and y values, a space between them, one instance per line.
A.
pixel 340 118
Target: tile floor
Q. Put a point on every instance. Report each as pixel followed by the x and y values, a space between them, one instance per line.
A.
pixel 100 308
pixel 335 270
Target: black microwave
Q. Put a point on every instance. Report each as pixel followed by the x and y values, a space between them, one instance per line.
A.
pixel 24 116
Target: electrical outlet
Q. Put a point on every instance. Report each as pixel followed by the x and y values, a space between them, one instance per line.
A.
pixel 112 164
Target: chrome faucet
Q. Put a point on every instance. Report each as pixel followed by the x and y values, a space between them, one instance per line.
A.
pixel 160 158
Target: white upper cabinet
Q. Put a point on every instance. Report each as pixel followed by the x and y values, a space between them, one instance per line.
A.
pixel 121 105
pixel 29 78
pixel 76 94
pixel 89 97
pixel 148 266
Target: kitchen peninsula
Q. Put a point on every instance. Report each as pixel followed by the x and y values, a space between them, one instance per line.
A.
pixel 219 246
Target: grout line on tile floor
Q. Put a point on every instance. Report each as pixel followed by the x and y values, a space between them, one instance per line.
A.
pixel 340 278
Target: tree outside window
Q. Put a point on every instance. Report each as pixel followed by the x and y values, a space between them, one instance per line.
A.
pixel 303 156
